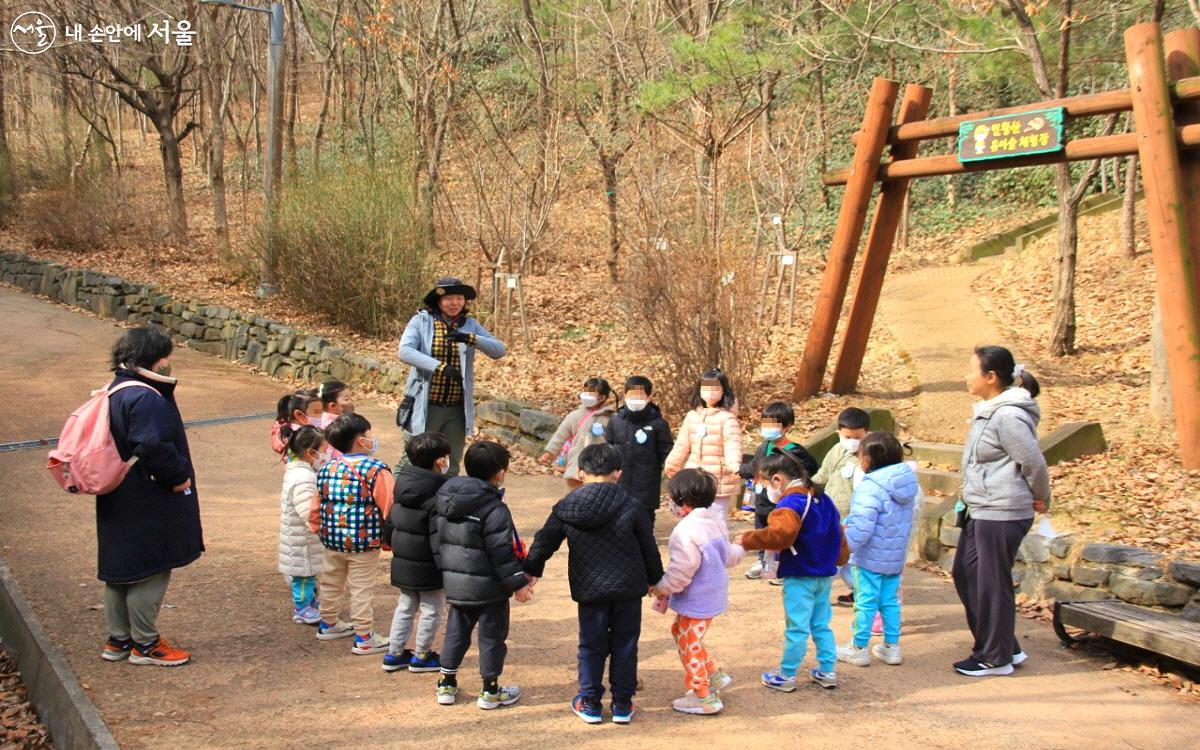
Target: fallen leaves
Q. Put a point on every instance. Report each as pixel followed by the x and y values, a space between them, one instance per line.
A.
pixel 19 724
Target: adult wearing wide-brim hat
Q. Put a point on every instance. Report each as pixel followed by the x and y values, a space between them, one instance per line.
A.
pixel 439 343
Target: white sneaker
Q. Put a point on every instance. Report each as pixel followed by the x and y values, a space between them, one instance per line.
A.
pixel 1019 658
pixel 755 570
pixel 504 696
pixel 373 643
pixel 854 655
pixel 887 654
pixel 690 704
pixel 332 632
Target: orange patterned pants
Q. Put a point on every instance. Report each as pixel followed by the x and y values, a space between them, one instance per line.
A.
pixel 698 666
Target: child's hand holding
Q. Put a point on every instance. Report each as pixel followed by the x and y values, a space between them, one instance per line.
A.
pixel 524 594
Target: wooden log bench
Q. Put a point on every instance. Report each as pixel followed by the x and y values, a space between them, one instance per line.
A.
pixel 1160 632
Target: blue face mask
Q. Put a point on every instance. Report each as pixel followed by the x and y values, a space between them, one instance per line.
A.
pixel 771 433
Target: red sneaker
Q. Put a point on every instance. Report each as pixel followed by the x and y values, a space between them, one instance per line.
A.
pixel 160 654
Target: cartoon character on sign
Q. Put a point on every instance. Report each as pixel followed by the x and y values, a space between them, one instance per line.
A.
pixel 33 32
pixel 980 135
pixel 1035 125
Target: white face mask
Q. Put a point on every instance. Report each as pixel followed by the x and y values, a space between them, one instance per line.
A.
pixel 636 404
pixel 674 508
pixel 850 444
pixel 374 446
pixel 774 495
pixel 771 433
pixel 322 460
pixel 711 396
pixel 446 466
pixel 589 399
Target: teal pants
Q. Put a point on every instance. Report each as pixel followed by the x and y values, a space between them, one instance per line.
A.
pixel 304 591
pixel 807 612
pixel 876 592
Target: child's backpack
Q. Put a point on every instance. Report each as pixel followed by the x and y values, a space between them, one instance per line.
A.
pixel 86 459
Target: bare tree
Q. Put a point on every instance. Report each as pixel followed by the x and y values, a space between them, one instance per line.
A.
pixel 153 78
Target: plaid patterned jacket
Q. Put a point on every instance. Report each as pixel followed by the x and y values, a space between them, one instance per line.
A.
pixel 350 519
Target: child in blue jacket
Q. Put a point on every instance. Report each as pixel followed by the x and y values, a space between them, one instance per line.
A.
pixel 877 531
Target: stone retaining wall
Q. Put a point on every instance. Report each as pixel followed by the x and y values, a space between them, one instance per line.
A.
pixel 516 423
pixel 1069 567
pixel 276 348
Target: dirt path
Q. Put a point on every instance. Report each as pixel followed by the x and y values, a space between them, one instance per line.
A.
pixel 259 681
pixel 936 319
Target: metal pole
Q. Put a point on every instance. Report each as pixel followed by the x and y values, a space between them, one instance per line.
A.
pixel 267 285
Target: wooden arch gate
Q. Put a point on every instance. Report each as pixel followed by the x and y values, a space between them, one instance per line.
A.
pixel 1164 96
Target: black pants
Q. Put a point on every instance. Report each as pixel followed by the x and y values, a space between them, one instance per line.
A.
pixel 492 620
pixel 982 571
pixel 609 631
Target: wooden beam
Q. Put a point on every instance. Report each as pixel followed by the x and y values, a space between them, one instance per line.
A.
pixel 851 217
pixel 1085 105
pixel 1083 149
pixel 880 239
pixel 1177 277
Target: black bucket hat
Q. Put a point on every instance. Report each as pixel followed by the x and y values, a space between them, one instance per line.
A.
pixel 448 285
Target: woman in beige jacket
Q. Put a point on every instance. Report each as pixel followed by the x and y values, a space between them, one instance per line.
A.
pixel 581 428
pixel 710 438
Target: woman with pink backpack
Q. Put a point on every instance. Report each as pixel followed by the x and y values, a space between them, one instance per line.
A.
pixel 150 524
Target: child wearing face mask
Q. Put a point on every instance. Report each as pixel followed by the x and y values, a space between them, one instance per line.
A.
pixel 697 582
pixel 643 438
pixel 582 427
pixel 777 418
pixel 336 400
pixel 806 531
pixel 300 552
pixel 291 413
pixel 356 495
pixel 840 472
pixel 411 524
pixel 877 531
pixel 711 438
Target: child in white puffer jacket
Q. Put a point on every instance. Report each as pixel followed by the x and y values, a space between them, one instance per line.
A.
pixel 301 554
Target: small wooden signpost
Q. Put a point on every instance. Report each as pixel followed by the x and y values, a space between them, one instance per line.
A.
pixel 781 267
pixel 1162 97
pixel 505 286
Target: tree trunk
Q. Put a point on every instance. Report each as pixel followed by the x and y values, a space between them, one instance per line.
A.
pixel 1162 408
pixel 8 183
pixel 952 110
pixel 609 165
pixel 319 133
pixel 64 122
pixel 293 89
pixel 1128 205
pixel 216 154
pixel 822 146
pixel 1062 332
pixel 173 175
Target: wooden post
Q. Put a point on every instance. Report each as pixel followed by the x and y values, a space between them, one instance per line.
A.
pixel 888 211
pixel 1177 275
pixel 851 217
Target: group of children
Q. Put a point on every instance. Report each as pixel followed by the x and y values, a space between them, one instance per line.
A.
pixel 453 540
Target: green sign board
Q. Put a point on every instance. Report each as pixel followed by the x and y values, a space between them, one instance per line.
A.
pixel 1039 131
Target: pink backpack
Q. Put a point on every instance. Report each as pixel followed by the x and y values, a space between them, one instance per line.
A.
pixel 86 459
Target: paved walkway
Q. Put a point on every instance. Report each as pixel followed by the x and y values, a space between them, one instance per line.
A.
pixel 936 319
pixel 260 681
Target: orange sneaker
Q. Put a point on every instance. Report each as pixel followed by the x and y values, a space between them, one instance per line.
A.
pixel 160 654
pixel 116 649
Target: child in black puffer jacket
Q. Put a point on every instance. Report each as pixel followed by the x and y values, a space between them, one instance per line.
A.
pixel 477 554
pixel 412 527
pixel 613 561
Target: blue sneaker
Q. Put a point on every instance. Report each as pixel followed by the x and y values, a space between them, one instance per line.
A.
pixel 589 712
pixel 622 713
pixel 776 680
pixel 430 662
pixel 396 662
pixel 827 680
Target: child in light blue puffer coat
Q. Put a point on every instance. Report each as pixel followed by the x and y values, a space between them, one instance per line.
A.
pixel 877 531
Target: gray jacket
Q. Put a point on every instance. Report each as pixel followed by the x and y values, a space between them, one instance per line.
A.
pixel 1003 468
pixel 416 345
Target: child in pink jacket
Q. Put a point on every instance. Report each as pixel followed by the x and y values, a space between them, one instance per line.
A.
pixel 697 582
pixel 711 438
